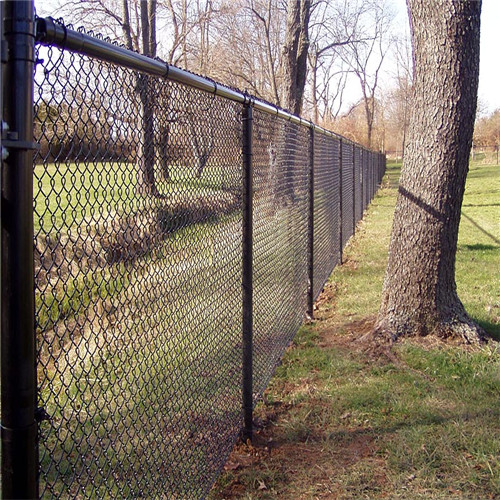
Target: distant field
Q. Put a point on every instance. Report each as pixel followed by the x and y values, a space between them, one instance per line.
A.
pixel 65 194
pixel 478 257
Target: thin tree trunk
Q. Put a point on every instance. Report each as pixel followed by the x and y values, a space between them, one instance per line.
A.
pixel 313 63
pixel 419 295
pixel 152 28
pixel 295 53
pixel 126 25
pixel 146 151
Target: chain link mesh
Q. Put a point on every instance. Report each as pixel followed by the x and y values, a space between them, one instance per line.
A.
pixel 370 182
pixel 347 193
pixel 138 271
pixel 326 209
pixel 366 182
pixel 280 162
pixel 137 208
pixel 358 184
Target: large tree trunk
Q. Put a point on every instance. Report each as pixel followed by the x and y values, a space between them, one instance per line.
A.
pixel 419 295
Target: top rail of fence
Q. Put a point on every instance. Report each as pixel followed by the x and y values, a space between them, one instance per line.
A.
pixel 51 32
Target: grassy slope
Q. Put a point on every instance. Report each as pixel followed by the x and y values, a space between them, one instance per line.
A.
pixel 338 422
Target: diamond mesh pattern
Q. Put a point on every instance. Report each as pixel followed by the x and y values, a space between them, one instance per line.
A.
pixel 347 193
pixel 281 156
pixel 137 210
pixel 138 271
pixel 366 183
pixel 370 182
pixel 373 176
pixel 326 208
pixel 358 198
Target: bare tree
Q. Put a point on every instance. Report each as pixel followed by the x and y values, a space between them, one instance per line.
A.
pixel 419 295
pixel 333 27
pixel 295 52
pixel 366 58
pixel 146 151
pixel 401 96
pixel 264 13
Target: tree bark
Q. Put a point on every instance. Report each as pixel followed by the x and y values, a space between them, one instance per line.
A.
pixel 419 295
pixel 295 53
pixel 146 183
pixel 126 25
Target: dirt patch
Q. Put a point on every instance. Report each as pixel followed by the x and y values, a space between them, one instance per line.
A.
pixel 276 467
pixel 351 335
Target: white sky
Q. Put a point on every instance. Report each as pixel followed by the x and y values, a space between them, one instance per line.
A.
pixel 489 74
pixel 489 68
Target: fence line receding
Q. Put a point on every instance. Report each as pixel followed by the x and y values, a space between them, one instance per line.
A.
pixel 181 230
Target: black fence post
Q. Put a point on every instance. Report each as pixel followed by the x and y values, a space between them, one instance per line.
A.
pixel 247 277
pixel 340 207
pixel 19 427
pixel 310 229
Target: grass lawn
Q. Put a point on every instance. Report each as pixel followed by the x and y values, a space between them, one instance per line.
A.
pixel 124 347
pixel 419 422
pixel 139 360
pixel 67 193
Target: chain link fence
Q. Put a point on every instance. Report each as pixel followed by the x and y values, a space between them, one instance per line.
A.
pixel 326 218
pixel 138 214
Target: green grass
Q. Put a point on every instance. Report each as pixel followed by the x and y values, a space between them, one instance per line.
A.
pixel 126 347
pixel 478 257
pixel 68 193
pixel 340 421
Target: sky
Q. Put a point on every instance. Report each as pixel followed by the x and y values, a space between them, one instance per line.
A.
pixel 489 71
pixel 489 67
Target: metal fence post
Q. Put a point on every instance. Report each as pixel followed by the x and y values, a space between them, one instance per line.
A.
pixel 310 229
pixel 247 277
pixel 19 428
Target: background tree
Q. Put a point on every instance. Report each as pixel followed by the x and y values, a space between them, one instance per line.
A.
pixel 146 148
pixel 419 295
pixel 352 124
pixel 295 52
pixel 265 16
pixel 366 59
pixel 487 130
pixel 333 27
pixel 396 101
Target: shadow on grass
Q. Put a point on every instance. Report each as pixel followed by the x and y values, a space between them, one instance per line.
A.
pixel 481 171
pixel 475 224
pixel 492 329
pixel 480 246
pixel 347 435
pixel 481 205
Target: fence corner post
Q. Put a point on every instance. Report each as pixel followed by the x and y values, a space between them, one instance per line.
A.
pixel 18 371
pixel 310 229
pixel 247 273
